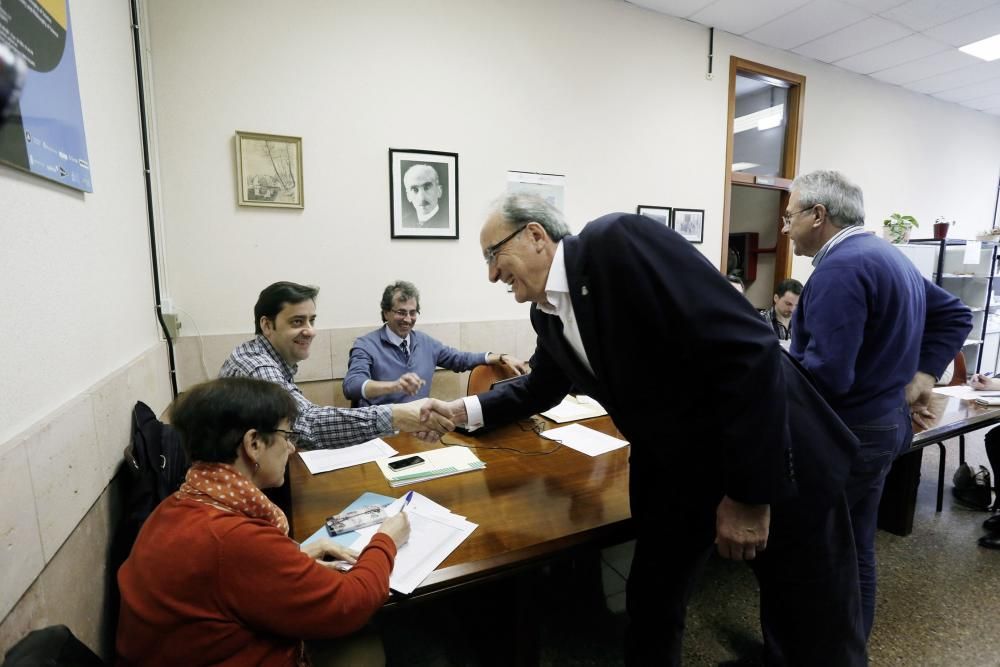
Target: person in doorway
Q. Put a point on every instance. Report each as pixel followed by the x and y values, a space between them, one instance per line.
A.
pixel 779 315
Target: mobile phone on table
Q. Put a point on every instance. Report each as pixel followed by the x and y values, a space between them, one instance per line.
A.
pixel 408 462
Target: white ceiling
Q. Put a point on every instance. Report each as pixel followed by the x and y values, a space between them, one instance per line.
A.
pixel 908 43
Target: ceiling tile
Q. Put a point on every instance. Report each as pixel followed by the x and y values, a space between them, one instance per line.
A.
pixel 875 6
pixel 854 39
pixel 963 93
pixel 920 15
pixel 740 16
pixel 679 8
pixel 806 23
pixel 921 68
pixel 981 103
pixel 889 55
pixel 970 28
pixel 957 78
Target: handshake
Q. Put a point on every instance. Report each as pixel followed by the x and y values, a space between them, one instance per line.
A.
pixel 429 418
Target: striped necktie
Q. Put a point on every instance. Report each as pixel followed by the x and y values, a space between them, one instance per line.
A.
pixel 406 350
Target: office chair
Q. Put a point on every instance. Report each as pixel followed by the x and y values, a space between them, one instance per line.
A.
pixel 483 376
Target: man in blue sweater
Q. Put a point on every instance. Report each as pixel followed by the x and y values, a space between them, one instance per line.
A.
pixel 395 363
pixel 875 335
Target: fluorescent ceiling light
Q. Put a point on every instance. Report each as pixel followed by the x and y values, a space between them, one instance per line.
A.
pixel 770 117
pixel 740 166
pixel 987 49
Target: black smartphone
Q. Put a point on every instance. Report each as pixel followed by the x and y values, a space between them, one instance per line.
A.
pixel 405 463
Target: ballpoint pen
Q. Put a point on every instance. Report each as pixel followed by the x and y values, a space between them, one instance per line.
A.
pixel 409 497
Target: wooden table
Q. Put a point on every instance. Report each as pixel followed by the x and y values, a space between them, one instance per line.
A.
pixel 955 417
pixel 530 507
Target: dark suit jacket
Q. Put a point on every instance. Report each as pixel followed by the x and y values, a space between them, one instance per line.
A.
pixel 687 369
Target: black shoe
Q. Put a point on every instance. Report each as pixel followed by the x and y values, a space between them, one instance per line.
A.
pixel 991 541
pixel 993 523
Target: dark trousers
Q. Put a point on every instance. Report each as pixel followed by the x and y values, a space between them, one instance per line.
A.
pixel 881 440
pixel 810 613
pixel 993 454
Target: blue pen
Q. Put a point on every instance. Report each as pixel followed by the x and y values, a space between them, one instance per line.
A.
pixel 409 497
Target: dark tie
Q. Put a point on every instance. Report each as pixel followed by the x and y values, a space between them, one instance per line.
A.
pixel 406 350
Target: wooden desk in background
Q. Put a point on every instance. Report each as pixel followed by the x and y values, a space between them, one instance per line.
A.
pixel 529 507
pixel 955 417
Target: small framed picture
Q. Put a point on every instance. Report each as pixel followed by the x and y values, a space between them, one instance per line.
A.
pixel 269 170
pixel 423 194
pixel 659 213
pixel 690 223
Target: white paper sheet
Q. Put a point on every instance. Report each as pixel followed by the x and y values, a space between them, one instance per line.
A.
pixel 325 460
pixel 972 249
pixel 573 408
pixel 583 439
pixel 432 538
pixel 965 392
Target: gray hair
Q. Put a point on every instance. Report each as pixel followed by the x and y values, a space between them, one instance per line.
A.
pixel 843 200
pixel 520 208
pixel 405 290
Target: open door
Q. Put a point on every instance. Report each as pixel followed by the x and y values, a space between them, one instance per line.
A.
pixel 762 147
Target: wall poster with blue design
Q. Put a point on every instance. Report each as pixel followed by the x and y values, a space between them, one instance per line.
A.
pixel 45 134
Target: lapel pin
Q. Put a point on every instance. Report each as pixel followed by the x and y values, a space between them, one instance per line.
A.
pixel 584 291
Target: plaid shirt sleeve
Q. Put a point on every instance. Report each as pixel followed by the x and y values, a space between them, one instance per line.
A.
pixel 327 427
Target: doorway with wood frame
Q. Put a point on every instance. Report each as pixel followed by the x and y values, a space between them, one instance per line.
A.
pixel 762 147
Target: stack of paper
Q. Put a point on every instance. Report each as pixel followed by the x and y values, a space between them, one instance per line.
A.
pixel 573 408
pixel 324 460
pixel 434 533
pixel 437 463
pixel 988 400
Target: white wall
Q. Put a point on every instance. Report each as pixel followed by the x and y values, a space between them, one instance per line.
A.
pixel 611 95
pixel 77 297
pixel 78 347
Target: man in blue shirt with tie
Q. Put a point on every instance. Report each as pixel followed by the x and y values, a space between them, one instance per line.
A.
pixel 395 363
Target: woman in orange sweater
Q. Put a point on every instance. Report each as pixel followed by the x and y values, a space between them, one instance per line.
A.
pixel 213 577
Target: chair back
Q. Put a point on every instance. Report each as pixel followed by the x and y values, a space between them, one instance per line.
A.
pixel 483 376
pixel 959 375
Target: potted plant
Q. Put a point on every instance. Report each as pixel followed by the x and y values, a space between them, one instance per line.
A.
pixel 941 225
pixel 896 228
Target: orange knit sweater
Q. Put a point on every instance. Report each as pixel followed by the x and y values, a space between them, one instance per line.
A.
pixel 205 586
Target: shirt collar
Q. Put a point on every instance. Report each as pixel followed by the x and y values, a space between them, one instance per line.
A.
pixel 844 233
pixel 290 369
pixel 557 284
pixel 391 335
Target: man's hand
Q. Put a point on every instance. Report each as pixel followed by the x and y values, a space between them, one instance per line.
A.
pixel 918 396
pixel 409 383
pixel 741 531
pixel 326 548
pixel 980 382
pixel 454 411
pixel 428 418
pixel 513 363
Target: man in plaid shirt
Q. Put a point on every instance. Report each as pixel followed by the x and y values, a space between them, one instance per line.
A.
pixel 284 319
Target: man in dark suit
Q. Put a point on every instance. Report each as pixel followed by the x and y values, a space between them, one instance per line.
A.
pixel 697 384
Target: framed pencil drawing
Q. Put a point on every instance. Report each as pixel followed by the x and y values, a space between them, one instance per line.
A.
pixel 659 213
pixel 690 223
pixel 269 170
pixel 423 194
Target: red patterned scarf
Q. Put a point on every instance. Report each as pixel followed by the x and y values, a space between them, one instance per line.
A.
pixel 221 485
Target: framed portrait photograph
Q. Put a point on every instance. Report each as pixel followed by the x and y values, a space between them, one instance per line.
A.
pixel 423 194
pixel 268 170
pixel 659 213
pixel 690 223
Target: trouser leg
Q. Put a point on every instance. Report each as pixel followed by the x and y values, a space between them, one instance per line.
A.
pixel 881 439
pixel 810 610
pixel 663 576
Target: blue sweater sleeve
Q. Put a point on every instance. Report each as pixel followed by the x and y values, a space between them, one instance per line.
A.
pixel 456 360
pixel 948 324
pixel 359 369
